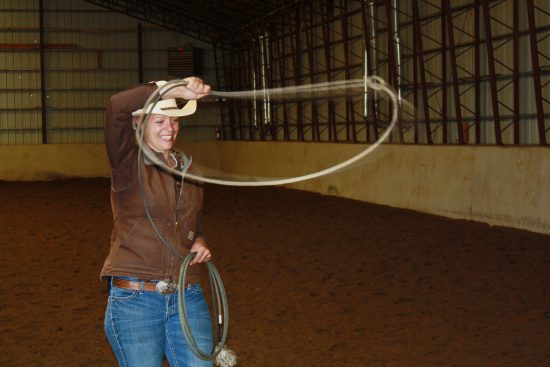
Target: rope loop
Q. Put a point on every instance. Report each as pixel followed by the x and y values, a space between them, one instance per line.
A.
pixel 373 82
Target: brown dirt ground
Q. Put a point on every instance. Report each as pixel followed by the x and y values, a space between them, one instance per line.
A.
pixel 312 281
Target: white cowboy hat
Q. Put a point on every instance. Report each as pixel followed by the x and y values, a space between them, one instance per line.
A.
pixel 169 107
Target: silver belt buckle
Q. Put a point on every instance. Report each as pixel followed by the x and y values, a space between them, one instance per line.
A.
pixel 166 286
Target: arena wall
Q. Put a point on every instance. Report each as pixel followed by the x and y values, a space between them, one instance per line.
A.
pixel 505 186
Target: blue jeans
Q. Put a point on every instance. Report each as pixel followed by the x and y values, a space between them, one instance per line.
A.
pixel 142 326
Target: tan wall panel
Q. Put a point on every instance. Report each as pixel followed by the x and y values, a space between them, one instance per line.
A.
pixel 496 185
pixel 52 161
pixel 512 187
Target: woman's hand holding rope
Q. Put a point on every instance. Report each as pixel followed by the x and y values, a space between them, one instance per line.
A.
pixel 194 89
pixel 203 252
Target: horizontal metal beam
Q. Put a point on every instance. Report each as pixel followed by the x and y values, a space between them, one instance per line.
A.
pixel 27 46
pixel 161 16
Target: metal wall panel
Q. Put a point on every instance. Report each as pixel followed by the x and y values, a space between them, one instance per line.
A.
pixel 88 55
pixel 476 71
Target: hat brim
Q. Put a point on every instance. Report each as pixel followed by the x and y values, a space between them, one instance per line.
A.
pixel 189 109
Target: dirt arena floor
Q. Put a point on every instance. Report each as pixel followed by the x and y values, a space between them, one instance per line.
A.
pixel 312 281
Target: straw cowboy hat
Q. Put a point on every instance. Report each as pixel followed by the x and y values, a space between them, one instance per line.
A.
pixel 169 107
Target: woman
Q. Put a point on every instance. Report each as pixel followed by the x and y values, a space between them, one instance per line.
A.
pixel 141 320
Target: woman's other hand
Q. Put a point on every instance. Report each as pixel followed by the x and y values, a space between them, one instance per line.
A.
pixel 203 252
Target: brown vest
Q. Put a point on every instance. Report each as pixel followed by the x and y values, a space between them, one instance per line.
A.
pixel 136 248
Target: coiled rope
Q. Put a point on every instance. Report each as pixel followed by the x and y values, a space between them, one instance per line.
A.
pixel 219 300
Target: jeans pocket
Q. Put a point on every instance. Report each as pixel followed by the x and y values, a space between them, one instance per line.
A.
pixel 121 294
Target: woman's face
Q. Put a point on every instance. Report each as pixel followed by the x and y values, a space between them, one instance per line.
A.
pixel 161 132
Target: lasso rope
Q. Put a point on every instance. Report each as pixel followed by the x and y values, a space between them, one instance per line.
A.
pixel 307 91
pixel 223 356
pixel 329 89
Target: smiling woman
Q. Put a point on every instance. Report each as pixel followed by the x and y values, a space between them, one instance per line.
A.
pixel 141 321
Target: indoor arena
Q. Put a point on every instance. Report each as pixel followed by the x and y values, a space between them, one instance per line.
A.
pixel 275 183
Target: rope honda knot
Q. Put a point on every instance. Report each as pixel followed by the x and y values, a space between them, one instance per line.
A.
pixel 226 358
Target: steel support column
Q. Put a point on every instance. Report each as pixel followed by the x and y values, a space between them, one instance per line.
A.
pixel 260 75
pixel 270 82
pixel 454 70
pixel 392 64
pixel 370 70
pixel 43 105
pixel 536 72
pixel 333 131
pixel 219 62
pixel 280 42
pixel 492 71
pixel 249 82
pixel 308 18
pixel 350 113
pixel 418 39
pixel 477 72
pixel 416 88
pixel 297 54
pixel 233 81
pixel 445 13
pixel 516 109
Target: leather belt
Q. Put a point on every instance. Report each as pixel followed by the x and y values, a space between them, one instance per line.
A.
pixel 162 286
pixel 135 285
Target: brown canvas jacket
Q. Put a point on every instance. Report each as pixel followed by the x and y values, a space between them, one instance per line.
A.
pixel 136 250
